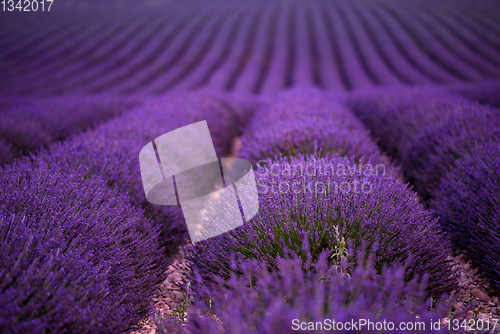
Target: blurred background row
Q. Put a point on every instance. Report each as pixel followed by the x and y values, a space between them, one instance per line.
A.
pixel 258 47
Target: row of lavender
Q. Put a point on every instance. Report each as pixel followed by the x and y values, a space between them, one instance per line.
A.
pixel 78 212
pixel 28 124
pixel 251 47
pixel 337 236
pixel 448 146
pixel 81 250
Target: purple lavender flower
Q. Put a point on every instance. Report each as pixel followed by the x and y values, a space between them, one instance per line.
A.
pixel 324 201
pixel 111 150
pixel 303 294
pixel 75 257
pixel 29 124
pixel 306 122
pixel 426 130
pixel 395 117
pixel 431 156
pixel 468 202
pixel 448 149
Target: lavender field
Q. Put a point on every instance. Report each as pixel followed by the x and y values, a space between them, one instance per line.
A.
pixel 372 127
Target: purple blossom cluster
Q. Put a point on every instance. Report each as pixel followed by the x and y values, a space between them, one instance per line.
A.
pixel 427 161
pixel 338 236
pixel 312 295
pixel 306 122
pixel 394 116
pixel 75 257
pixel 468 202
pixel 324 207
pixel 29 124
pixel 448 148
pixel 111 150
pixel 426 130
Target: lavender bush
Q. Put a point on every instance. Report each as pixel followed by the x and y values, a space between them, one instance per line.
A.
pixel 330 202
pixel 262 300
pixel 428 160
pixel 426 130
pixel 468 202
pixel 111 150
pixel 74 256
pixel 397 116
pixel 33 123
pixel 306 122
